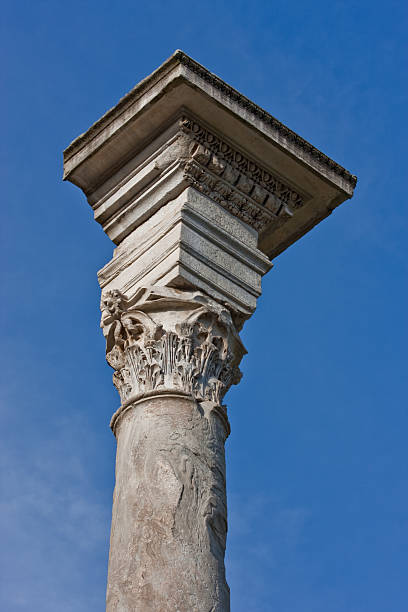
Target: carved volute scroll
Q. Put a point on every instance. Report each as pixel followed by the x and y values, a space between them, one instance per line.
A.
pixel 169 339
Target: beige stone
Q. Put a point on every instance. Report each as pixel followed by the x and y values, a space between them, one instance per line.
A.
pixel 189 242
pixel 169 519
pixel 140 148
pixel 199 189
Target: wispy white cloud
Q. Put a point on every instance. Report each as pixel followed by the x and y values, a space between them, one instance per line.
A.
pixel 55 527
pixel 254 554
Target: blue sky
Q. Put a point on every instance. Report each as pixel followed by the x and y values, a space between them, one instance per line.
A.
pixel 317 459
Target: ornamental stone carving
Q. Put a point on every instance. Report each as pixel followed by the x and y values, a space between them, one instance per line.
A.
pixel 170 340
pixel 235 181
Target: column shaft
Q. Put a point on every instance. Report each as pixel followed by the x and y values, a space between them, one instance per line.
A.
pixel 169 518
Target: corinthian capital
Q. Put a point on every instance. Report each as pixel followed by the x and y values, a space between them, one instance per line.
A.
pixel 170 340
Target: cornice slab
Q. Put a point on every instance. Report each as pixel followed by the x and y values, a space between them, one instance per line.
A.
pixel 220 87
pixel 145 121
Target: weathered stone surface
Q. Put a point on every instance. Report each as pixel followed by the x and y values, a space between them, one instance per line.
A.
pixel 199 189
pixel 175 354
pixel 170 340
pixel 190 242
pixel 169 519
pixel 142 145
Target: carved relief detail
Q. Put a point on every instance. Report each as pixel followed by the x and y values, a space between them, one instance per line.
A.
pixel 197 354
pixel 261 114
pixel 236 182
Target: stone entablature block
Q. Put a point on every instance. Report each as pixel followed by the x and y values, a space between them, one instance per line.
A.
pixel 134 159
pixel 191 242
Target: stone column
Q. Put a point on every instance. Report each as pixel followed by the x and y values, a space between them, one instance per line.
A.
pixel 175 354
pixel 199 189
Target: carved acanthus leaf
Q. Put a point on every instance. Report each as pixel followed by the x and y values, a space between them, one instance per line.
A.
pixel 198 353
